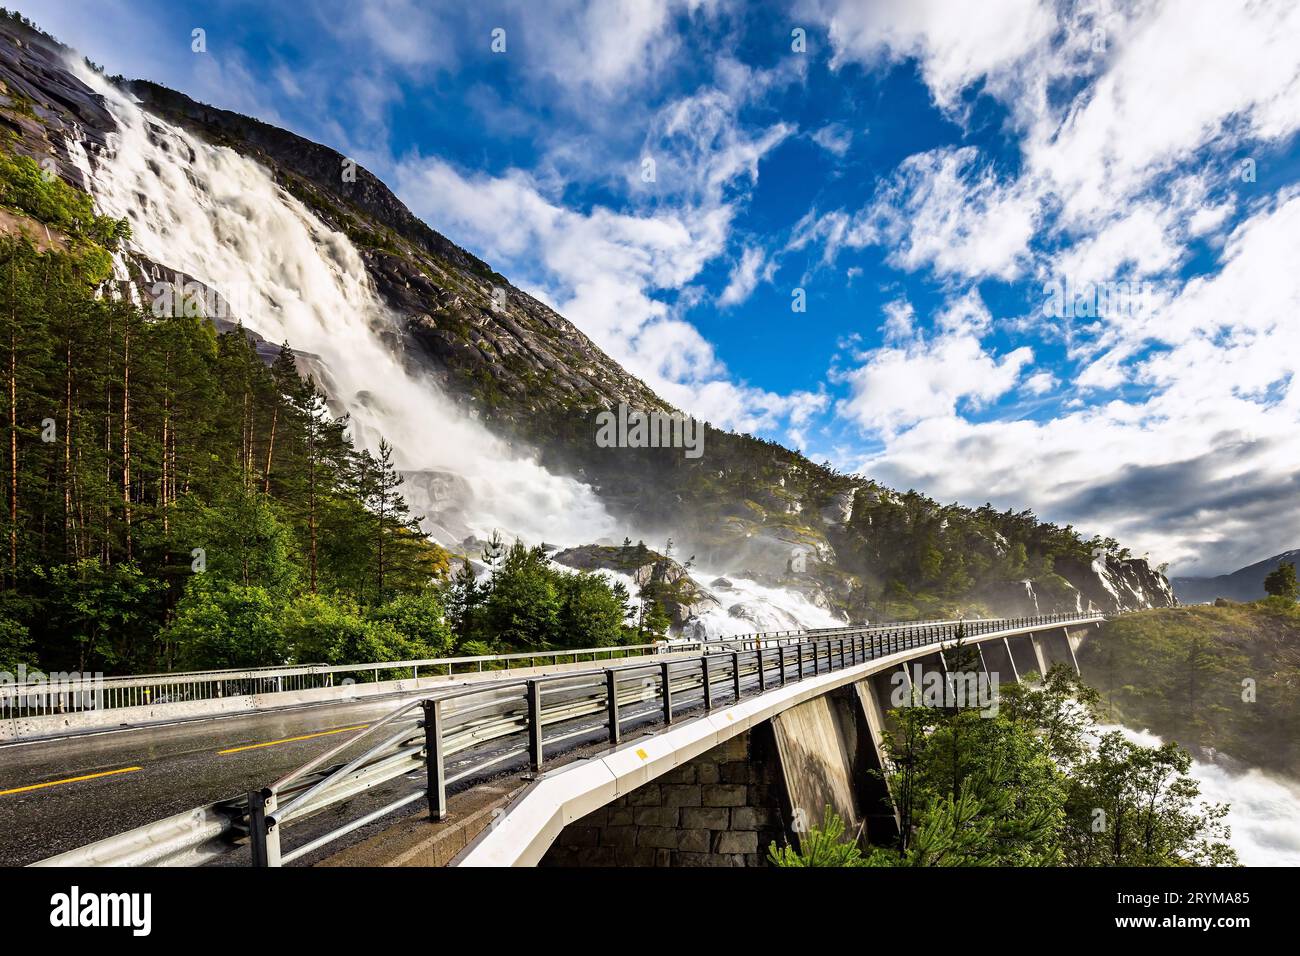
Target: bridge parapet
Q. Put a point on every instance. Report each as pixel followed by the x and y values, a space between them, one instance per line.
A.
pixel 467 734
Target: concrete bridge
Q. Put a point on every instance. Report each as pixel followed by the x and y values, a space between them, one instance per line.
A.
pixel 701 756
pixel 718 790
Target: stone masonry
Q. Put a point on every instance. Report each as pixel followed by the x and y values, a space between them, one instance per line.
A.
pixel 721 809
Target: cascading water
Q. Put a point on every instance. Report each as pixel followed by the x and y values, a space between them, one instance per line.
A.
pixel 218 216
pixel 1264 810
pixel 748 607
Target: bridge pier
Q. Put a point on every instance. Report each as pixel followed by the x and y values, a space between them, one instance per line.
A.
pixel 924 667
pixel 882 816
pixel 722 808
pixel 1025 655
pixel 1055 648
pixel 996 658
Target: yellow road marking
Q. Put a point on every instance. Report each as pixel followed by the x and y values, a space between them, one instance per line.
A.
pixel 289 740
pixel 55 783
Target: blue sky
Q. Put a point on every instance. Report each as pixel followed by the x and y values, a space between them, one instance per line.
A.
pixel 925 172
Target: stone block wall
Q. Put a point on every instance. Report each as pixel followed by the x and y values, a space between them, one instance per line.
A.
pixel 721 809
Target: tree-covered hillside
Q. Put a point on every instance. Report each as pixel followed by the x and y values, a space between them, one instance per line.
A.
pixel 174 501
pixel 1226 677
pixel 169 498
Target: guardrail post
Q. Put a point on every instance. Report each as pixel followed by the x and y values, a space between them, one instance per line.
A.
pixel 817 664
pixel 762 678
pixel 708 687
pixel 263 834
pixel 841 643
pixel 667 687
pixel 735 672
pixel 611 705
pixel 535 725
pixel 434 761
pixel 780 659
pixel 798 652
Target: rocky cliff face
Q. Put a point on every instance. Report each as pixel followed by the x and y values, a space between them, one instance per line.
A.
pixel 1107 584
pixel 507 355
pixel 746 507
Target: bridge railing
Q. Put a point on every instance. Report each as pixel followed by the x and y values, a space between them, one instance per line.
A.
pixel 456 735
pixel 523 718
pixel 60 694
pixel 71 694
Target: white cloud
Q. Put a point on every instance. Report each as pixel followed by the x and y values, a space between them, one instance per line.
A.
pixel 1139 243
pixel 1182 75
pixel 923 377
pixel 1040 383
pixel 700 148
pixel 835 138
pixel 604 269
pixel 602 49
pixel 940 209
pixel 753 267
pixel 1201 472
pixel 404 33
pixel 954 43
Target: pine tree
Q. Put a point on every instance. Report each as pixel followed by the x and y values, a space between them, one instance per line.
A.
pixel 1281 582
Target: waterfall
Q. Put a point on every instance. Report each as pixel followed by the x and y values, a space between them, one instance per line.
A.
pixel 1264 809
pixel 220 217
pixel 745 607
pixel 215 215
pixel 1031 595
pixel 748 606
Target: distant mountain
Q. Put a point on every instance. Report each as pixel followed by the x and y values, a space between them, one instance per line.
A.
pixel 1245 584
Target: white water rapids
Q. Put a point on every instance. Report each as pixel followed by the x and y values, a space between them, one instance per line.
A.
pixel 218 216
pixel 747 607
pixel 1264 809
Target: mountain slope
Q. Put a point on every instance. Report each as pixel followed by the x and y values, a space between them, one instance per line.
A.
pixel 1219 678
pixel 1244 584
pixel 509 362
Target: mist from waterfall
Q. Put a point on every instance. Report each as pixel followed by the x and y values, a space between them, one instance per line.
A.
pixel 1264 809
pixel 749 607
pixel 746 607
pixel 217 216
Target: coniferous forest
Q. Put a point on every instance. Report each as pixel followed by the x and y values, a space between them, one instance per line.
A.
pixel 171 501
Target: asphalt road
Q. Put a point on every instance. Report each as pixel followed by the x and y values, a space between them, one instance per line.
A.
pixel 61 794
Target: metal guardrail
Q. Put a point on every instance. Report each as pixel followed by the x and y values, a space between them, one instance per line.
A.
pixel 526 716
pixel 90 693
pixel 39 698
